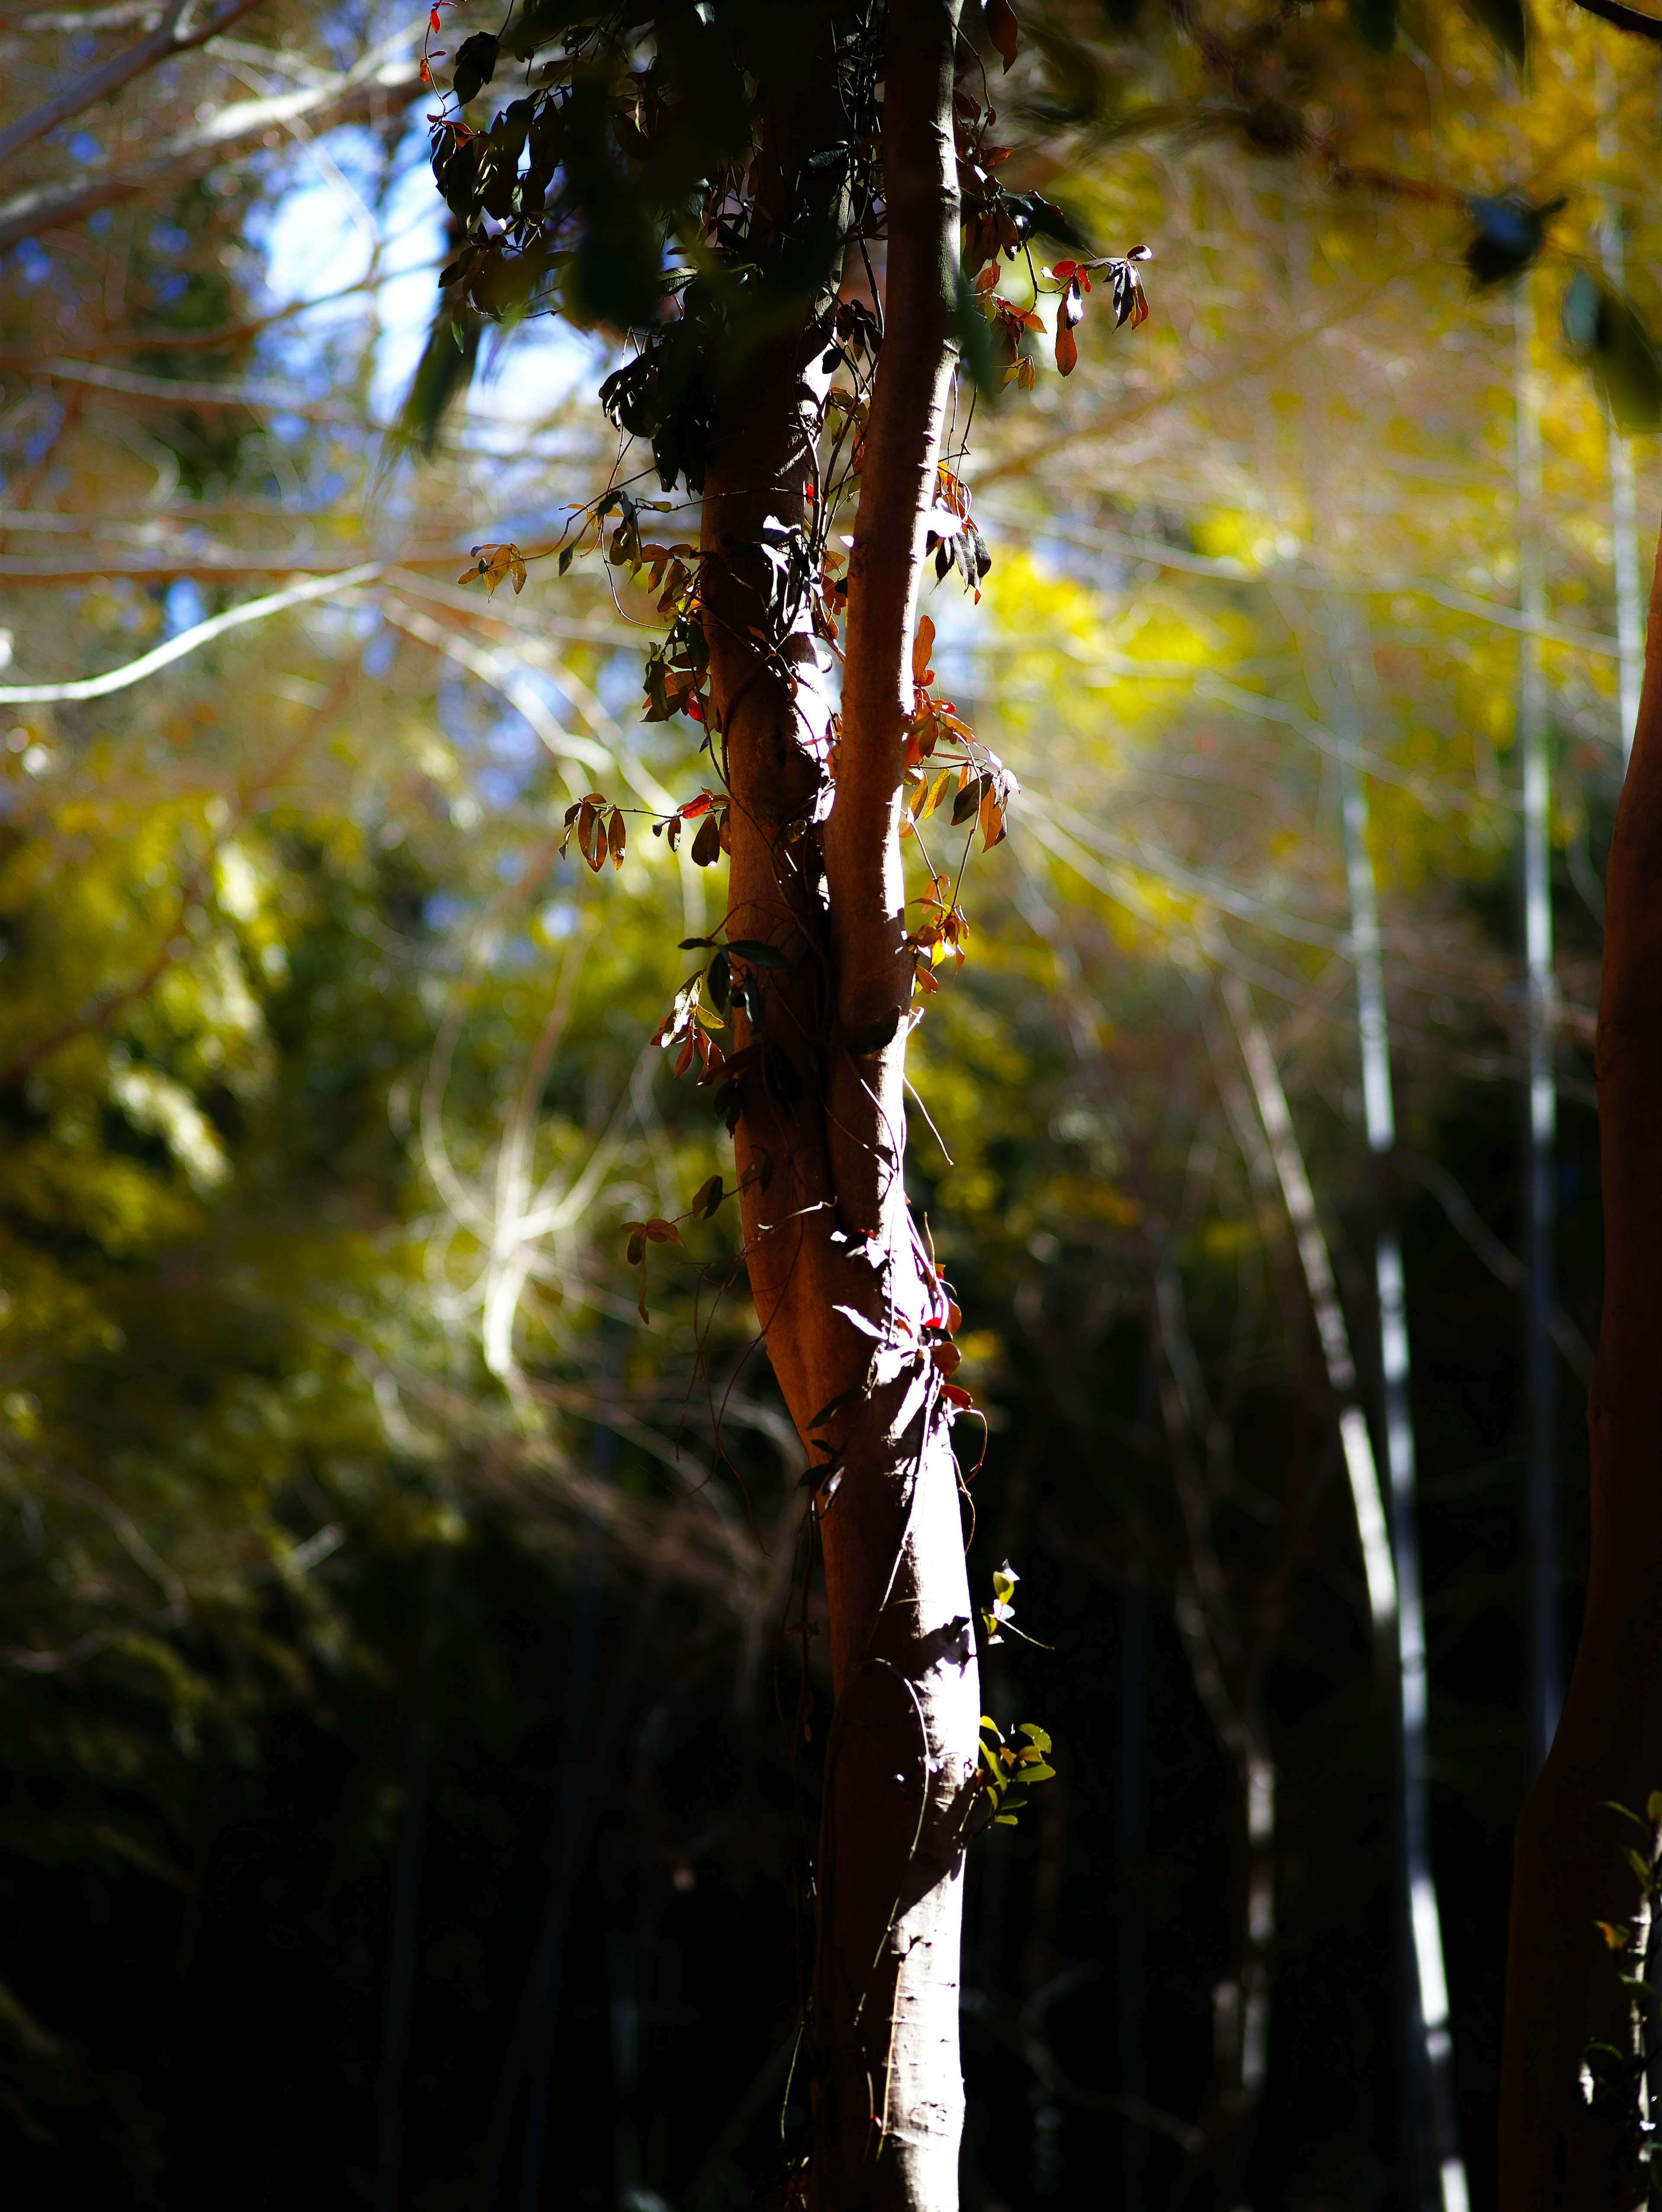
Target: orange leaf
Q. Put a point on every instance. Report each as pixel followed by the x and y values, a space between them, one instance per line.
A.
pixel 1067 347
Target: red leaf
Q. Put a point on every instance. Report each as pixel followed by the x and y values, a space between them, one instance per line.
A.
pixel 1001 29
pixel 1067 348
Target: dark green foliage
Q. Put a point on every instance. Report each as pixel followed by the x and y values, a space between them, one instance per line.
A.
pixel 613 193
pixel 442 375
pixel 1375 23
pixel 631 187
pixel 1603 327
pixel 1508 233
pixel 1506 22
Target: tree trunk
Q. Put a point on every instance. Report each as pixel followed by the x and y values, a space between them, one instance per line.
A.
pixel 845 1294
pixel 1561 1985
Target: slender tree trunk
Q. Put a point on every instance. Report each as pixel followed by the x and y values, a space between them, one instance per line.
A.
pixel 845 1293
pixel 1544 1690
pixel 1359 1464
pixel 406 1890
pixel 1624 531
pixel 1339 674
pixel 1558 2153
pixel 1129 1966
pixel 1225 1663
pixel 1433 2055
pixel 1392 1566
pixel 1624 505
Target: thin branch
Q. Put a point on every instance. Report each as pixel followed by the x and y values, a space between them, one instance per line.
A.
pixel 384 79
pixel 118 679
pixel 159 45
pixel 1503 1264
pixel 1625 19
pixel 1306 577
pixel 216 565
pixel 79 20
pixel 230 334
pixel 173 392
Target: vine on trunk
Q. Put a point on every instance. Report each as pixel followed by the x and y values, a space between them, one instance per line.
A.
pixel 578 197
pixel 720 183
pixel 1615 2079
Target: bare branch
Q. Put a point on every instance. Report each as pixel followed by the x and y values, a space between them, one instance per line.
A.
pixel 1625 19
pixel 384 80
pixel 174 392
pixel 79 20
pixel 160 45
pixel 134 672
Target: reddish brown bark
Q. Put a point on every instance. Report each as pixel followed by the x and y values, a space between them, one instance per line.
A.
pixel 1558 2155
pixel 842 1288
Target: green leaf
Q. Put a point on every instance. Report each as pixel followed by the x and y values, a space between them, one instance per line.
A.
pixel 1374 22
pixel 1506 22
pixel 476 65
pixel 968 802
pixel 1610 1805
pixel 707 1198
pixel 835 1405
pixel 1508 233
pixel 442 376
pixel 758 954
pixel 1605 330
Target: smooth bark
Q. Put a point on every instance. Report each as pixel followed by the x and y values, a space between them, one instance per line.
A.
pixel 1557 2153
pixel 844 1290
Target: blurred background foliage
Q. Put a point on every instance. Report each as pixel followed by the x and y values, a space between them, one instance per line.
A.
pixel 396 1809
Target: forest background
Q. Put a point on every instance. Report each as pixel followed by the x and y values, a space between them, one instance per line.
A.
pixel 398 1806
